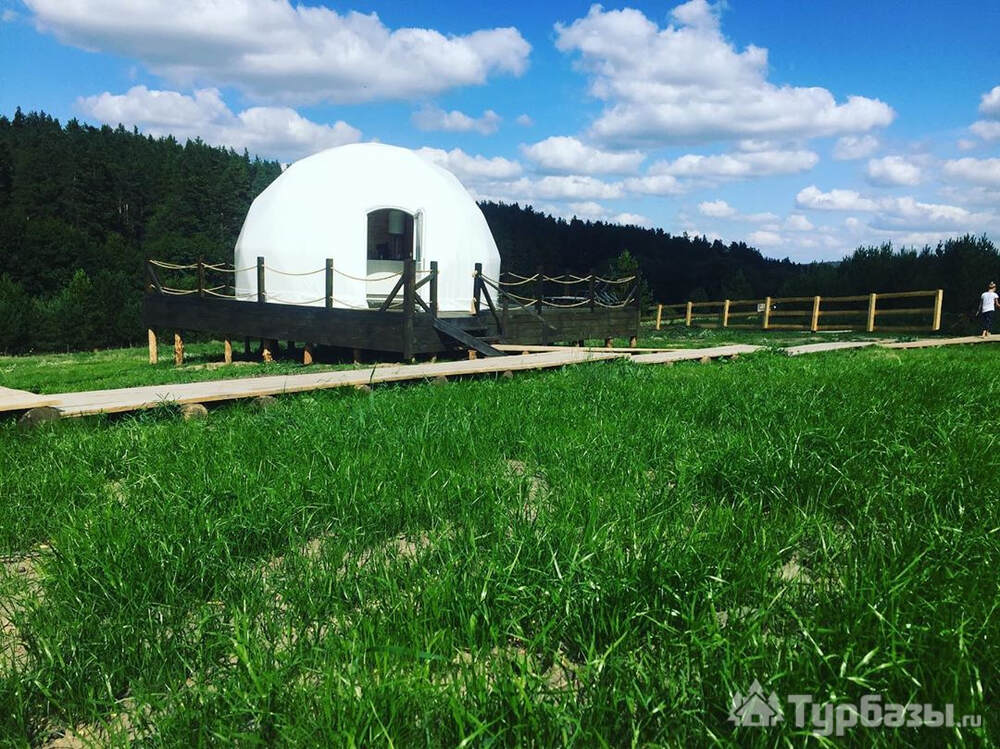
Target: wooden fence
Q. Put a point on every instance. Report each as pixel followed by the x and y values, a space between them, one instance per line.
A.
pixel 869 312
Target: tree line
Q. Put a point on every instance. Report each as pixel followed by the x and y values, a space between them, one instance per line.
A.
pixel 82 207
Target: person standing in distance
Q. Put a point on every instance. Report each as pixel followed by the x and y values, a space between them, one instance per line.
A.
pixel 988 303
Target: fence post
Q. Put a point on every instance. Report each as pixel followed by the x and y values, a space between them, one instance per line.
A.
pixel 687 315
pixel 201 277
pixel 938 299
pixel 329 283
pixel 434 288
pixel 725 314
pixel 767 312
pixel 590 290
pixel 814 325
pixel 871 312
pixel 409 294
pixel 178 349
pixel 261 291
pixel 154 355
pixel 477 291
pixel 539 290
pixel 659 315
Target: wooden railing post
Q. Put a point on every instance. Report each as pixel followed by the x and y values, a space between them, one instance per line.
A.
pixel 329 283
pixel 477 290
pixel 871 312
pixel 725 314
pixel 659 315
pixel 261 291
pixel 539 290
pixel 409 306
pixel 814 324
pixel 687 314
pixel 938 300
pixel 591 291
pixel 767 312
pixel 201 277
pixel 434 288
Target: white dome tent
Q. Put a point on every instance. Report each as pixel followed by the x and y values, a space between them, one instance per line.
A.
pixel 368 207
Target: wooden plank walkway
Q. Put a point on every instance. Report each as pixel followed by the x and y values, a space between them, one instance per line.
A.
pixel 137 398
pixel 715 352
pixel 535 348
pixel 816 348
pixel 12 400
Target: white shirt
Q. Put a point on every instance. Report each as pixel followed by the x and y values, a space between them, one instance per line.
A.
pixel 988 301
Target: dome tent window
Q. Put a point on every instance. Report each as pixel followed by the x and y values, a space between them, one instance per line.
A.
pixel 390 236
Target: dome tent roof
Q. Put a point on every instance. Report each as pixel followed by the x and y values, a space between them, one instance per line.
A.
pixel 318 208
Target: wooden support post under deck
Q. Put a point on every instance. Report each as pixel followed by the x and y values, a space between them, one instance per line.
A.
pixel 687 314
pixel 871 312
pixel 767 312
pixel 154 354
pixel 356 355
pixel 307 354
pixel 938 299
pixel 227 353
pixel 659 315
pixel 814 324
pixel 246 347
pixel 725 314
pixel 178 349
pixel 472 354
pixel 265 352
pixel 632 341
pixel 609 342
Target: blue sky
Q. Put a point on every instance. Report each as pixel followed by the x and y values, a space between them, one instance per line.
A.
pixel 803 128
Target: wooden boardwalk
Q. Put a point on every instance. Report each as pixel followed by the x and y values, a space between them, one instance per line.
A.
pixel 138 398
pixel 695 354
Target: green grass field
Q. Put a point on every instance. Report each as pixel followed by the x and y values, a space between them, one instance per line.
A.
pixel 598 555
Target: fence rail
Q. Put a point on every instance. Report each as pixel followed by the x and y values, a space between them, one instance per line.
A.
pixel 809 312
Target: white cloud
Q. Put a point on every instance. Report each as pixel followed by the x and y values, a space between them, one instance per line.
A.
pixel 9 16
pixel 434 118
pixel 274 50
pixel 892 171
pixel 765 238
pixel 567 154
pixel 575 187
pixel 798 222
pixel 975 171
pixel 687 83
pixel 630 219
pixel 851 147
pixel 524 120
pixel 737 165
pixel 270 131
pixel 658 184
pixel 588 209
pixel 989 104
pixel 964 144
pixel 986 130
pixel 476 167
pixel 716 209
pixel 835 200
